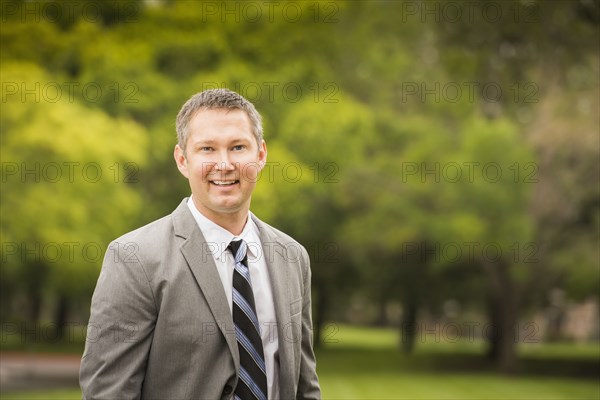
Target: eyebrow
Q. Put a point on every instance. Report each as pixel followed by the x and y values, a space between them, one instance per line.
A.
pixel 203 142
pixel 211 142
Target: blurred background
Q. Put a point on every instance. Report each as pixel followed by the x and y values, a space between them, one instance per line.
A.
pixel 439 161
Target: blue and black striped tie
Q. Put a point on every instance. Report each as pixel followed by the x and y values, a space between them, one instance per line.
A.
pixel 252 382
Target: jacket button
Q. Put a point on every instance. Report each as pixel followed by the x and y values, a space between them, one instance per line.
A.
pixel 228 389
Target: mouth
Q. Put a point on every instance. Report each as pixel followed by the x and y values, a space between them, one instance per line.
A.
pixel 224 183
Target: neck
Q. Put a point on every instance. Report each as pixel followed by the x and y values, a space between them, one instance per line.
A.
pixel 233 225
pixel 234 222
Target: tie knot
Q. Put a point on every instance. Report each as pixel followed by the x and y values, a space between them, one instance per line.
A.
pixel 238 249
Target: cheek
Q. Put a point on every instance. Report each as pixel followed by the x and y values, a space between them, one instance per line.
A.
pixel 201 167
pixel 250 171
pixel 198 171
pixel 205 168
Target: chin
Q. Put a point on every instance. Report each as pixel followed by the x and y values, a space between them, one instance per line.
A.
pixel 228 207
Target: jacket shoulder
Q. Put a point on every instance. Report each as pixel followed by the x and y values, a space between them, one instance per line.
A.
pixel 276 234
pixel 149 245
pixel 294 249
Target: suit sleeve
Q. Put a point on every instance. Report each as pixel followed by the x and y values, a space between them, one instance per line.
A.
pixel 122 319
pixel 308 383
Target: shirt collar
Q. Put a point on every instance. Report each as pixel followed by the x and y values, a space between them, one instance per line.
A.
pixel 218 238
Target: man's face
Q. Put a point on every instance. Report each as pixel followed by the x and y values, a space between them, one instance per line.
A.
pixel 222 161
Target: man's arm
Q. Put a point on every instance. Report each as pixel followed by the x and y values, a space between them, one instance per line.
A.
pixel 308 383
pixel 120 329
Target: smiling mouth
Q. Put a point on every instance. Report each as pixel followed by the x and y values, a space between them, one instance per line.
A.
pixel 224 183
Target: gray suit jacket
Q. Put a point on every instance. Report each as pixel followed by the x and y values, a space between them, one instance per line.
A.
pixel 160 325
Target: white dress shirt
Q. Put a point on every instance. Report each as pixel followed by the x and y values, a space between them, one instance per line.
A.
pixel 217 239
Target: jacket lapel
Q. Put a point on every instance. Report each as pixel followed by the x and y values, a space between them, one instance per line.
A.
pixel 274 253
pixel 202 265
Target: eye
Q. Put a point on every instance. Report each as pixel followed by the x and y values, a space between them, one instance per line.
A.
pixel 239 147
pixel 206 148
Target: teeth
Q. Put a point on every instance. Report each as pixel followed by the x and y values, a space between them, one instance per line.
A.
pixel 224 183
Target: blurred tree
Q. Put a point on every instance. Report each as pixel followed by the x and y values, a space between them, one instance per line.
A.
pixel 329 139
pixel 543 57
pixel 498 199
pixel 360 97
pixel 72 173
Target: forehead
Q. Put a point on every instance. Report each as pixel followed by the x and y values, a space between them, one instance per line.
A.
pixel 220 121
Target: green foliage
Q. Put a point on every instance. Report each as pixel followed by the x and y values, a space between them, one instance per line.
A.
pixel 358 161
pixel 70 193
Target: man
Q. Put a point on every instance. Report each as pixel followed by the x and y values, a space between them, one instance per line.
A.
pixel 208 302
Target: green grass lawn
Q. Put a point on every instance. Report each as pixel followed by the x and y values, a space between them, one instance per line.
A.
pixel 364 363
pixel 73 394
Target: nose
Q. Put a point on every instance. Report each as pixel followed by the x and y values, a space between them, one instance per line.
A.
pixel 224 163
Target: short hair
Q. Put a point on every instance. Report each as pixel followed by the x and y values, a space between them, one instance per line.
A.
pixel 216 99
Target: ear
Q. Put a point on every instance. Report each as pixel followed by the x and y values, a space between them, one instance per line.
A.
pixel 181 161
pixel 262 155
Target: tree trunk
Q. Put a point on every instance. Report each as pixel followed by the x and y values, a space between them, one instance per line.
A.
pixel 408 327
pixel 507 360
pixel 492 334
pixel 60 316
pixel 36 278
pixel 7 293
pixel 503 317
pixel 321 306
pixel 381 319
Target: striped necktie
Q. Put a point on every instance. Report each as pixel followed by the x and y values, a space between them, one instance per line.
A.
pixel 252 382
